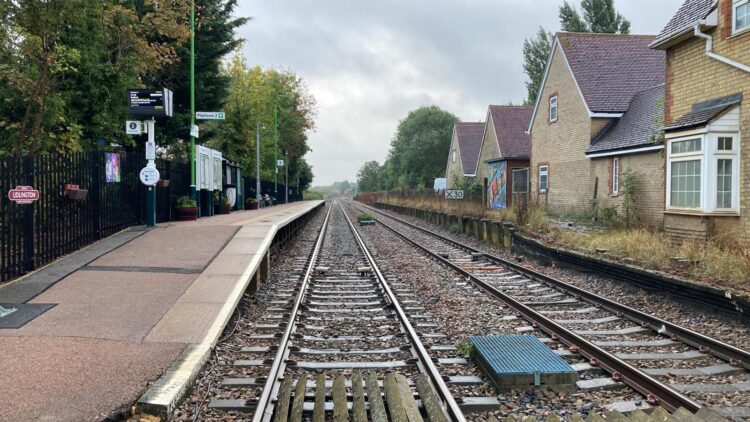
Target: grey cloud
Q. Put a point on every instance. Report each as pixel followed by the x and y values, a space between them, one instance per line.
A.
pixel 370 62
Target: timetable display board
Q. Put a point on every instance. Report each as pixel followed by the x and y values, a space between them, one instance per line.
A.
pixel 150 102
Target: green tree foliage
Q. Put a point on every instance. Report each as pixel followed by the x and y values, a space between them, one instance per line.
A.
pixel 368 177
pixel 418 150
pixel 535 53
pixel 65 65
pixel 215 37
pixel 598 16
pixel 257 98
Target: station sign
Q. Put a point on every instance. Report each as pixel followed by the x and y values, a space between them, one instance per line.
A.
pixel 133 127
pixel 149 175
pixel 210 115
pixel 280 163
pixel 150 102
pixel 454 194
pixel 23 195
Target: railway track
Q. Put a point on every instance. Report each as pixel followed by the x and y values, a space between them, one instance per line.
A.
pixel 672 366
pixel 345 346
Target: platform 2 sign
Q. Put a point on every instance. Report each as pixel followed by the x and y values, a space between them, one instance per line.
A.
pixel 23 195
pixel 454 194
pixel 150 102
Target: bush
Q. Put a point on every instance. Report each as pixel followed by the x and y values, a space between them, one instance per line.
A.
pixel 186 202
pixel 537 219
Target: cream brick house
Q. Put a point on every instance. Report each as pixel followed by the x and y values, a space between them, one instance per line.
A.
pixel 463 156
pixel 707 120
pixel 503 167
pixel 595 116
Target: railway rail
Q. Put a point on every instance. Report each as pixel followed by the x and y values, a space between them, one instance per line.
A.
pixel 345 329
pixel 634 347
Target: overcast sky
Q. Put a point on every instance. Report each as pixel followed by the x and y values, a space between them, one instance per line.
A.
pixel 369 62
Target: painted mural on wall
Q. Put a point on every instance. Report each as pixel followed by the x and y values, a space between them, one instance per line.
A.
pixel 497 187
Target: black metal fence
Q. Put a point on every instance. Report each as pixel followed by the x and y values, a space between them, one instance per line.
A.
pixel 61 221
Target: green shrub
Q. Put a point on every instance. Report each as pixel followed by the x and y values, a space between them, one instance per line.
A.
pixel 365 217
pixel 186 202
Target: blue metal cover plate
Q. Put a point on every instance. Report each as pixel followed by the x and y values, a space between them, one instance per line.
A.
pixel 512 354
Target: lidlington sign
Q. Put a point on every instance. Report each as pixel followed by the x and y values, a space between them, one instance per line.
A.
pixel 23 195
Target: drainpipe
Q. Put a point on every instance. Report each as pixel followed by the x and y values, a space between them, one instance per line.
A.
pixel 709 49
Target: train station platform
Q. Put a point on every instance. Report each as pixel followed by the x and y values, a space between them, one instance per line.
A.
pixel 88 334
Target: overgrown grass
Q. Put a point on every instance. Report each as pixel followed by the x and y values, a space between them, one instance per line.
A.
pixel 721 258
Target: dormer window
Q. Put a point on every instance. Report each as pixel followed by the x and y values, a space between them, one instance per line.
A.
pixel 553 109
pixel 741 11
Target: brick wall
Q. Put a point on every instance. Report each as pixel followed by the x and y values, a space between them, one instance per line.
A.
pixel 693 77
pixel 454 171
pixel 562 144
pixel 647 169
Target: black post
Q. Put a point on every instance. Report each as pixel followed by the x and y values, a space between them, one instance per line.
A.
pixel 28 216
pixel 95 191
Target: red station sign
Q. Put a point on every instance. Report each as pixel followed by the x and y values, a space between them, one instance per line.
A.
pixel 23 195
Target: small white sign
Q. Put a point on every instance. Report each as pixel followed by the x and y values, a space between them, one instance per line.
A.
pixel 149 176
pixel 194 131
pixel 150 150
pixel 454 194
pixel 209 115
pixel 133 127
pixel 279 163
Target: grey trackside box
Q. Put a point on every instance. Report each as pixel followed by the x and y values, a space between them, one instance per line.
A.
pixel 522 362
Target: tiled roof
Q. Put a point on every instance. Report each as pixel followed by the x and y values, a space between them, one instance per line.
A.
pixel 687 15
pixel 469 136
pixel 704 112
pixel 634 128
pixel 611 68
pixel 510 124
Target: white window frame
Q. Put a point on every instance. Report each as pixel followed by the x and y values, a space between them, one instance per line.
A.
pixel 544 172
pixel 615 176
pixel 709 156
pixel 454 156
pixel 736 4
pixel 556 108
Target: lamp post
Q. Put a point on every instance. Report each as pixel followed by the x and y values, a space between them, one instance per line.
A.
pixel 193 191
pixel 257 162
pixel 286 176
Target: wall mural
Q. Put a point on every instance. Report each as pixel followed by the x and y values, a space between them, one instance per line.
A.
pixel 497 187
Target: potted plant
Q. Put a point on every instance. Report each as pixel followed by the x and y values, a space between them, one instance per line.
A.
pixel 187 209
pixel 251 204
pixel 226 207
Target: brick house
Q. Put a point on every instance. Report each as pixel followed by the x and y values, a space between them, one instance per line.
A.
pixel 464 153
pixel 504 157
pixel 595 116
pixel 707 43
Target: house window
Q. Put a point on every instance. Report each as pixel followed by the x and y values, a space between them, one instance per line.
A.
pixel 454 156
pixel 741 20
pixel 703 173
pixel 553 109
pixel 543 178
pixel 615 176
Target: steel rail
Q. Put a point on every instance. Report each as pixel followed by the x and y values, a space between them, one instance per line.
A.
pixel 264 407
pixel 713 346
pixel 635 378
pixel 451 406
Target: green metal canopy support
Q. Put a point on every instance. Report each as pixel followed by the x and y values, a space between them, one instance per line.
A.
pixel 193 190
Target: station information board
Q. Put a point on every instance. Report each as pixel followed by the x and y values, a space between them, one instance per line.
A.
pixel 150 102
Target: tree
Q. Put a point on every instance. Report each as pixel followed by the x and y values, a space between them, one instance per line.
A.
pixel 535 54
pixel 368 177
pixel 418 150
pixel 599 16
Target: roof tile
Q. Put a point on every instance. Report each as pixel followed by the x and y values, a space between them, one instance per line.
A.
pixel 510 124
pixel 611 68
pixel 687 15
pixel 469 136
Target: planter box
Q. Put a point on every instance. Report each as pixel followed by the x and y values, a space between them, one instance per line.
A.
pixel 78 195
pixel 186 214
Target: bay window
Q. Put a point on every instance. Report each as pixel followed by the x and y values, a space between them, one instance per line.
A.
pixel 703 173
pixel 741 18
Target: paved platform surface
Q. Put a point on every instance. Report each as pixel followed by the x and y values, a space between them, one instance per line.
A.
pixel 120 319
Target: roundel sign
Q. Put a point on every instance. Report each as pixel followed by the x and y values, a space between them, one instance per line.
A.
pixel 149 176
pixel 23 195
